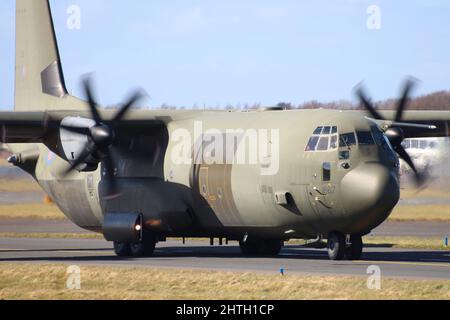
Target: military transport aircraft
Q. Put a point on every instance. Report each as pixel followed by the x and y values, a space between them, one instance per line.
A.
pixel 140 176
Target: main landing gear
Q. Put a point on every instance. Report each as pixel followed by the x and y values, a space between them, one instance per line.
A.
pixel 341 247
pixel 145 248
pixel 260 247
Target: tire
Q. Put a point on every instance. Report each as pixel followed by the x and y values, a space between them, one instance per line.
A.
pixel 142 249
pixel 122 249
pixel 271 248
pixel 260 247
pixel 336 246
pixel 249 247
pixel 354 251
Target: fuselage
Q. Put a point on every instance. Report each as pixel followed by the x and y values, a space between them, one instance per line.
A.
pixel 276 174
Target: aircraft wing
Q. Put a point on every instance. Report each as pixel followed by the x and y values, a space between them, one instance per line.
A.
pixel 439 119
pixel 36 127
pixel 24 127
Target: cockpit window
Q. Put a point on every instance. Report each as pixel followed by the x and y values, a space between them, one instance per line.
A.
pixel 318 130
pixel 347 140
pixel 365 138
pixel 326 130
pixel 323 144
pixel 333 142
pixel 323 139
pixel 312 143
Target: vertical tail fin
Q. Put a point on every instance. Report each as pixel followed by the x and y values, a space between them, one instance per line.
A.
pixel 39 77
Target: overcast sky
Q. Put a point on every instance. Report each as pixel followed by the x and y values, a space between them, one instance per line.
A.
pixel 208 52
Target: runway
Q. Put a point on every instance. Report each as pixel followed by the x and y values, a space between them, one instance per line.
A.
pixel 417 264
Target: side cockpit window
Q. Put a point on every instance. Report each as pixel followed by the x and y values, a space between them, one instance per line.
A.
pixel 361 137
pixel 323 139
pixel 365 138
pixel 347 140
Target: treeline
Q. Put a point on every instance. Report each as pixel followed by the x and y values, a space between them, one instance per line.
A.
pixel 435 101
pixel 439 100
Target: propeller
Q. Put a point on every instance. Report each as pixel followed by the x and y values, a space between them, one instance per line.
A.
pixel 395 133
pixel 101 138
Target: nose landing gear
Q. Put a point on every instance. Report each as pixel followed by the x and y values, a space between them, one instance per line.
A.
pixel 341 247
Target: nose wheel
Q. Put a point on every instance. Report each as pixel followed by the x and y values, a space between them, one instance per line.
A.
pixel 341 247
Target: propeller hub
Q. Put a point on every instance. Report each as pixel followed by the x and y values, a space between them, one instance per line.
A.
pixel 102 135
pixel 395 136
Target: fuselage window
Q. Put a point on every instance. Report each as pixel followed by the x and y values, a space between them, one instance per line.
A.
pixel 347 140
pixel 326 171
pixel 326 130
pixel 365 137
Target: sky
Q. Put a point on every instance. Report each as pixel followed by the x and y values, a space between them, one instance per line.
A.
pixel 216 53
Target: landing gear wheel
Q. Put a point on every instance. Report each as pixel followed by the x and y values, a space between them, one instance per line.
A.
pixel 249 247
pixel 146 247
pixel 122 249
pixel 354 251
pixel 261 247
pixel 336 246
pixel 142 249
pixel 271 248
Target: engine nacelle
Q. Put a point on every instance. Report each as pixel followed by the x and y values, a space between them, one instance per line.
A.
pixel 73 144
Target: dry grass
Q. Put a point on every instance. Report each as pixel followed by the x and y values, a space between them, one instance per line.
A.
pixel 50 211
pixel 49 282
pixel 407 242
pixel 52 235
pixel 421 213
pixel 31 211
pixel 392 242
pixel 426 193
pixel 398 242
pixel 19 185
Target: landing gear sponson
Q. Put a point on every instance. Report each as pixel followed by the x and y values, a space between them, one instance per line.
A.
pixel 342 247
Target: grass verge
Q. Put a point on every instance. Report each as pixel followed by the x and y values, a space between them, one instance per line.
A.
pixel 43 211
pixel 387 242
pixel 19 185
pixel 49 282
pixel 31 211
pixel 421 213
pixel 397 243
pixel 406 242
pixel 52 235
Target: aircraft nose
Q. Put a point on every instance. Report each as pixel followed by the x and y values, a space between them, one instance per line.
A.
pixel 369 193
